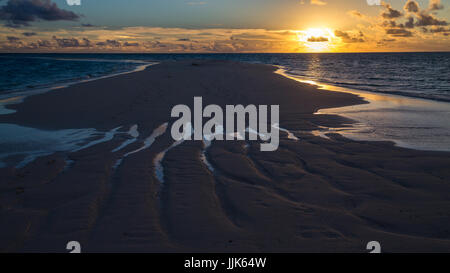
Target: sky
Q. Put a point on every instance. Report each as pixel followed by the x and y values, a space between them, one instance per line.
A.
pixel 216 26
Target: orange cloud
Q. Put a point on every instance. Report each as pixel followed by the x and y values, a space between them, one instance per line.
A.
pixel 318 2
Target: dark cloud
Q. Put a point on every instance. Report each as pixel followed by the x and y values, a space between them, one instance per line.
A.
pixel 347 38
pixel 44 43
pixel 29 34
pixel 154 44
pixel 317 39
pixel 113 43
pixel 12 39
pixel 66 42
pixel 184 39
pixel 32 45
pixel 109 43
pixel 384 42
pixel 390 13
pixel 86 42
pixel 389 24
pixel 21 12
pixel 37 44
pixel 72 42
pixel 87 25
pixel 440 30
pixel 417 18
pixel 393 24
pixel 128 44
pixel 411 6
pixel 409 23
pixel 399 32
pixel 425 19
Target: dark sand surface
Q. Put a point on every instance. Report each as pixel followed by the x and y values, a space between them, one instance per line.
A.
pixel 311 195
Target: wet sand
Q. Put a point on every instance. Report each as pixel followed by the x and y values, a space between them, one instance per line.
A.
pixel 311 195
pixel 410 122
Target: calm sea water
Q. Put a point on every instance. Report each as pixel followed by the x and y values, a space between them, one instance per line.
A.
pixel 423 75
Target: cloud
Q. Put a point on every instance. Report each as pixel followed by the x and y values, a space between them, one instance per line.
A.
pixel 72 42
pixel 221 40
pixel 409 23
pixel 347 38
pixel 317 39
pixel 130 44
pixel 66 42
pixel 385 42
pixel 44 43
pixel 389 24
pixel 440 30
pixel 29 34
pixel 389 12
pixel 393 24
pixel 158 39
pixel 411 6
pixel 318 2
pixel 416 18
pixel 425 19
pixel 87 25
pixel 21 12
pixel 355 13
pixel 13 39
pixel 409 28
pixel 109 43
pixel 435 5
pixel 399 32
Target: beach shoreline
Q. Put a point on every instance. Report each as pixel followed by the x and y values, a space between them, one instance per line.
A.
pixel 311 195
pixel 415 122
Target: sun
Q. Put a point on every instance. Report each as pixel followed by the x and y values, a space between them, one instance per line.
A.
pixel 317 39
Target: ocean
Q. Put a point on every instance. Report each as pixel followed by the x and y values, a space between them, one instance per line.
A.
pixel 422 75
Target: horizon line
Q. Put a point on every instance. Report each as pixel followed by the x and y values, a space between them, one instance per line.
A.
pixel 118 52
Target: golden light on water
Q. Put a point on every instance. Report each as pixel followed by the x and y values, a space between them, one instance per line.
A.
pixel 318 39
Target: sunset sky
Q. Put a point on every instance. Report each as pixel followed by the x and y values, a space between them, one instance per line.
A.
pixel 224 26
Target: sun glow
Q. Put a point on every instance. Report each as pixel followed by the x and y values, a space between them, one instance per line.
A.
pixel 317 39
